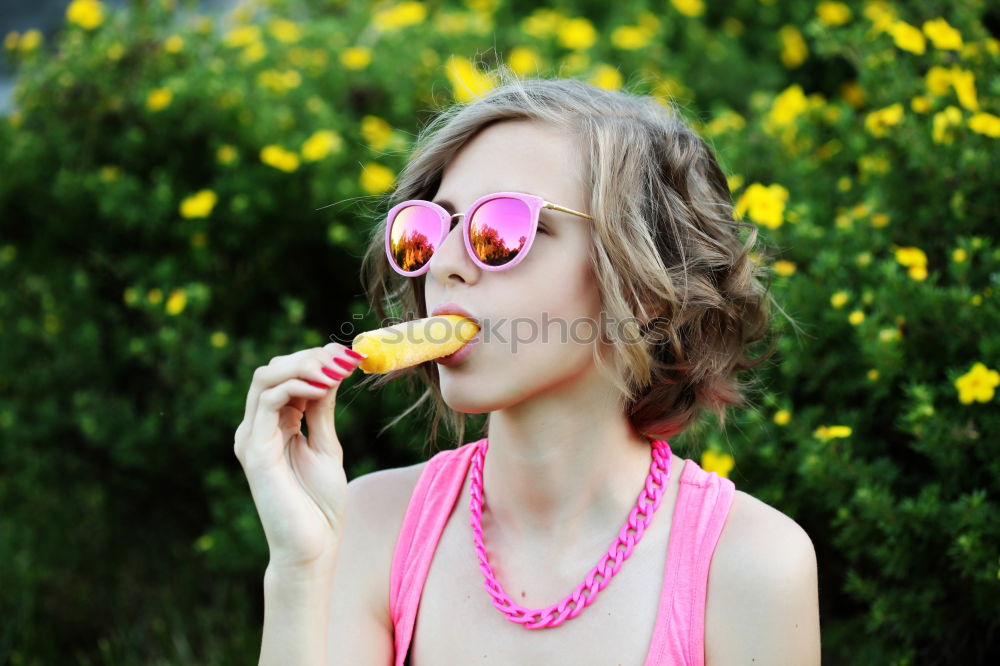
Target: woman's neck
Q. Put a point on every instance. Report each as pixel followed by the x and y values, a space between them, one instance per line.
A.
pixel 563 466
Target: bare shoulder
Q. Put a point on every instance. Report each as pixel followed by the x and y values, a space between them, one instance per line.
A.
pixel 763 597
pixel 360 629
pixel 377 503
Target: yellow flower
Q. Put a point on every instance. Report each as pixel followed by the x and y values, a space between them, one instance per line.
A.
pixel 30 40
pixel 87 14
pixel 977 384
pixel 964 83
pixel 176 302
pixel 920 104
pixel 377 132
pixel 938 80
pixel 765 204
pixel 253 53
pixel 782 417
pixel 630 37
pixel 793 47
pixel 279 158
pixel 985 123
pixel 542 23
pixel 958 255
pixel 467 83
pixel 888 334
pixel 853 94
pixel 917 272
pixel 199 204
pixel 173 44
pixel 787 106
pixel 725 121
pixel 782 267
pixel 376 179
pixel 689 7
pixel 158 99
pixel 130 295
pixel 321 144
pixel 356 57
pixel 154 296
pixel 873 375
pixel 400 16
pixel 942 123
pixel 284 30
pixel 833 13
pixel 226 154
pixel 911 256
pixel 524 60
pixel 856 317
pixel 907 37
pixel 242 35
pixel 876 122
pixel 279 81
pixel 880 220
pixel 720 463
pixel 607 77
pixel 832 432
pixel 942 35
pixel 219 339
pixel 880 13
pixel 577 34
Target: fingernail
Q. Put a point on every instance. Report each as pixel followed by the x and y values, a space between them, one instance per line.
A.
pixel 332 375
pixel 355 354
pixel 344 364
pixel 317 384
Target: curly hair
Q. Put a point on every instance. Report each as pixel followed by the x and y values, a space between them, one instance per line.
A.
pixel 666 250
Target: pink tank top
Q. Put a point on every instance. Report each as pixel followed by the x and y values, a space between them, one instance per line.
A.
pixel 703 502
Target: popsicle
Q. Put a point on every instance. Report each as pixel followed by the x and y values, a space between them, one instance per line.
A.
pixel 412 342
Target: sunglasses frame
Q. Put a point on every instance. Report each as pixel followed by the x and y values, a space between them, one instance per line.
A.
pixel 535 205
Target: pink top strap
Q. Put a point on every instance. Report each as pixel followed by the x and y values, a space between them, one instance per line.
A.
pixel 703 503
pixel 431 504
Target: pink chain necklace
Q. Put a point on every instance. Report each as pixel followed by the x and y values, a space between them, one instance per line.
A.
pixel 587 591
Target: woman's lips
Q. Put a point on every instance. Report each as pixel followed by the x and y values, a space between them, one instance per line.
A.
pixel 460 355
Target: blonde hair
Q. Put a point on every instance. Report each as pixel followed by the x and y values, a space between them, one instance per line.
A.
pixel 666 250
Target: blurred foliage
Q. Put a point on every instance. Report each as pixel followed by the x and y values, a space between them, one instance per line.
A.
pixel 184 197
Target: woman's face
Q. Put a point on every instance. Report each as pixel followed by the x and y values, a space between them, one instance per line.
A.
pixel 539 319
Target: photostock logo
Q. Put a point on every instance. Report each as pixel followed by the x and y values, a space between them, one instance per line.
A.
pixel 517 331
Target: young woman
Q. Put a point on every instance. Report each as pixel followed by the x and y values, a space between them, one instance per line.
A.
pixel 591 235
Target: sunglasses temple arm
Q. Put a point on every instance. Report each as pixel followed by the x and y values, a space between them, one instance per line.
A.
pixel 566 210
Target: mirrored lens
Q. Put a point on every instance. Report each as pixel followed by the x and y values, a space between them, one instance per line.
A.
pixel 415 233
pixel 499 230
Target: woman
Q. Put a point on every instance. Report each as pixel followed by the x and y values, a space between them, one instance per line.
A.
pixel 610 320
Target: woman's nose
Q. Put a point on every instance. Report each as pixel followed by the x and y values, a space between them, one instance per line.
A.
pixel 451 258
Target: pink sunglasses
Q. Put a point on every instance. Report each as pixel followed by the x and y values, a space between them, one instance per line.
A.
pixel 498 229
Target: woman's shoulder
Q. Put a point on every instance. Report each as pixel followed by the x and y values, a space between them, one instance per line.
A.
pixel 753 525
pixel 762 580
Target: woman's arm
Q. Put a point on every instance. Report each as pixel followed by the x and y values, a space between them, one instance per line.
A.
pixel 296 613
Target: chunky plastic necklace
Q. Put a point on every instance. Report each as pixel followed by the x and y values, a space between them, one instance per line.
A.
pixel 587 591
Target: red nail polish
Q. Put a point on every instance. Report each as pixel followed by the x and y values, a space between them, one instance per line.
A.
pixel 355 354
pixel 344 364
pixel 317 384
pixel 331 374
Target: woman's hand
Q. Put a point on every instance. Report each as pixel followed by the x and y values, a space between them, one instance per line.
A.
pixel 299 485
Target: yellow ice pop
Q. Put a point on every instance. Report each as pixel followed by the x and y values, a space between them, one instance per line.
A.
pixel 412 342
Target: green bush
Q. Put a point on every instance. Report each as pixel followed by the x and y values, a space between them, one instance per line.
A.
pixel 183 198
